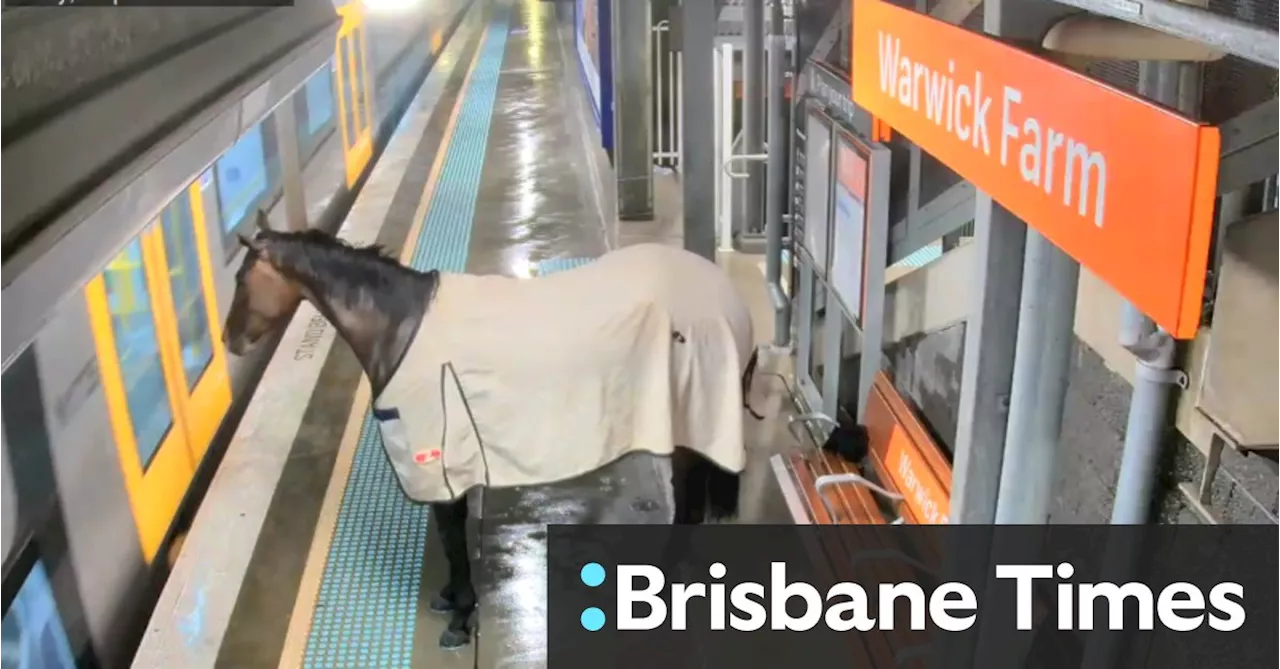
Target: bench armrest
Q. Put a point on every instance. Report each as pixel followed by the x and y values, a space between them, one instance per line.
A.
pixel 805 418
pixel 856 479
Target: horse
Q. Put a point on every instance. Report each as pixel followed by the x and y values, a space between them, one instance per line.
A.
pixel 645 348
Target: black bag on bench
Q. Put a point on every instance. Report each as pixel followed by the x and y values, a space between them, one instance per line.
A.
pixel 849 442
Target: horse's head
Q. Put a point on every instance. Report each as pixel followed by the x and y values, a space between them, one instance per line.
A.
pixel 264 298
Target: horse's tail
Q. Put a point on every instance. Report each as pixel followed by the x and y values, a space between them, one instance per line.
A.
pixel 748 375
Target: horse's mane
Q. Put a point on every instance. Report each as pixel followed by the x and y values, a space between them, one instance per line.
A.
pixel 343 270
pixel 316 245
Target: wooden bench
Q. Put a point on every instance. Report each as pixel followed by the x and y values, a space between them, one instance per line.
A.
pixel 904 479
pixel 908 478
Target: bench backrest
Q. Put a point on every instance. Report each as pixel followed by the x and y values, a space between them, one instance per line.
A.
pixel 906 457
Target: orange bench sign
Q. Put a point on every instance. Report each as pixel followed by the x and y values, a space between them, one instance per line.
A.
pixel 1122 185
pixel 916 481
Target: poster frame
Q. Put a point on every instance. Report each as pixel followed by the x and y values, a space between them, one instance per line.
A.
pixel 814 112
pixel 597 80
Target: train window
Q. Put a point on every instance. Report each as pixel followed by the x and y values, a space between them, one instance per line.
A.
pixel 319 98
pixel 138 349
pixel 242 178
pixel 30 476
pixel 313 106
pixel 32 630
pixel 185 284
pixel 247 178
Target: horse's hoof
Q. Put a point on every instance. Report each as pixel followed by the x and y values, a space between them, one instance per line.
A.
pixel 453 639
pixel 441 604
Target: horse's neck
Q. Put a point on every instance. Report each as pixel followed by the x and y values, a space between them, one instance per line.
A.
pixel 379 337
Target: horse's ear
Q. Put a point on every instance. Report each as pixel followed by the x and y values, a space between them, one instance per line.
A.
pixel 251 244
pixel 261 222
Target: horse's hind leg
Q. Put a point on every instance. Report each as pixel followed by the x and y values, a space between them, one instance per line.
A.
pixel 458 597
pixel 722 490
pixel 702 490
pixel 689 487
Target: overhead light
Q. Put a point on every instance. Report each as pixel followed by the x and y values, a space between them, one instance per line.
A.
pixel 391 6
pixel 1105 38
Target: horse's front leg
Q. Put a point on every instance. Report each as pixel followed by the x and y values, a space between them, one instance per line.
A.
pixel 458 597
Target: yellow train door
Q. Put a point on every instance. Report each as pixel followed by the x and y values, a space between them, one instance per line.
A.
pixel 355 103
pixel 193 329
pixel 163 368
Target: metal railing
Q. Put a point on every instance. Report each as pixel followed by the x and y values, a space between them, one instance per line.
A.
pixel 668 78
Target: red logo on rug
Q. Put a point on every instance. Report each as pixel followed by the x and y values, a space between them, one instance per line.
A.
pixel 423 457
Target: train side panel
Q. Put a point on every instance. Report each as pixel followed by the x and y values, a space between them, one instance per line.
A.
pixel 103 552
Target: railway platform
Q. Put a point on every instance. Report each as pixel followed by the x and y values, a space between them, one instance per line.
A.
pixel 305 552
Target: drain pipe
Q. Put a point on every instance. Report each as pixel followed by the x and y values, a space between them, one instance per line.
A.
pixel 1154 349
pixel 1155 352
pixel 776 175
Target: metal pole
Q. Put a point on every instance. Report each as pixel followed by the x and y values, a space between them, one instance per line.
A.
pixel 777 176
pixel 696 125
pixel 1046 320
pixel 753 107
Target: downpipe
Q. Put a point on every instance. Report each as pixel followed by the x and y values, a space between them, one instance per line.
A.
pixel 1153 348
pixel 1155 352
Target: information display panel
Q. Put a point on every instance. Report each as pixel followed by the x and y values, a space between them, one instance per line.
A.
pixel 817 189
pixel 849 243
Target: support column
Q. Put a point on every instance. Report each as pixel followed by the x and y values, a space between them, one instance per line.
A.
pixel 776 175
pixel 989 339
pixel 753 111
pixel 697 28
pixel 295 199
pixel 632 109
pixel 1012 456
pixel 1046 333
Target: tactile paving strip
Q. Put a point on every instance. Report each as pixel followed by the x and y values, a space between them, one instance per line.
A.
pixel 366 608
pixel 553 265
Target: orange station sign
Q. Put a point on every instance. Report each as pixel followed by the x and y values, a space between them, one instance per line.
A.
pixel 1124 186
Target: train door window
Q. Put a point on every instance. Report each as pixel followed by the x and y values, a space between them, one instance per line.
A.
pixel 141 379
pixel 32 630
pixel 354 102
pixel 193 331
pixel 138 349
pixel 185 281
